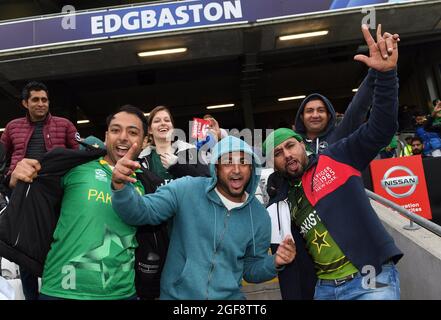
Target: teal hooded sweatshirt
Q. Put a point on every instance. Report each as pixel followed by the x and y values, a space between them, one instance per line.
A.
pixel 211 249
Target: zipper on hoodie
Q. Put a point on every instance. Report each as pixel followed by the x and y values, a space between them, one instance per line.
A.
pixel 216 250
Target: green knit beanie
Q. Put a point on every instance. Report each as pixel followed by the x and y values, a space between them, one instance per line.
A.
pixel 277 137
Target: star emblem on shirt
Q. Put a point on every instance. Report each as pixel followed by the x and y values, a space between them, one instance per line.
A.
pixel 320 240
pixel 96 259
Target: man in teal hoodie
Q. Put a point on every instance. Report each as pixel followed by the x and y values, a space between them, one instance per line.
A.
pixel 220 232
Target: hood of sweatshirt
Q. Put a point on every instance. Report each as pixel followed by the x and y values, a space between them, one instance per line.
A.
pixel 300 127
pixel 318 144
pixel 232 144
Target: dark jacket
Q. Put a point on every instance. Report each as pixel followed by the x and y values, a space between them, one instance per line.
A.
pixel 188 163
pixel 28 222
pixel 152 247
pixel 2 159
pixel 353 223
pixel 3 187
pixel 58 132
pixel 354 116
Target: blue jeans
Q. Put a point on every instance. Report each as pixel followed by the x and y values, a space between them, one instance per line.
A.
pixel 387 287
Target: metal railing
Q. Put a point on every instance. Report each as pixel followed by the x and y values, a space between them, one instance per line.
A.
pixel 429 225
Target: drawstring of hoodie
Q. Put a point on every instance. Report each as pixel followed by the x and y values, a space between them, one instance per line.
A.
pixel 252 229
pixel 317 144
pixel 215 224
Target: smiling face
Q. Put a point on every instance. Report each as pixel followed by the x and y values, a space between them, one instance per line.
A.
pixel 161 126
pixel 233 174
pixel 315 118
pixel 290 158
pixel 124 130
pixel 37 105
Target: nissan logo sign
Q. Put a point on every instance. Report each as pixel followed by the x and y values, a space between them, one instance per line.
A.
pixel 410 180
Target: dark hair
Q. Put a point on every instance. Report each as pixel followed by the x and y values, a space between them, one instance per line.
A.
pixel 128 108
pixel 33 86
pixel 435 102
pixel 419 113
pixel 416 139
pixel 152 115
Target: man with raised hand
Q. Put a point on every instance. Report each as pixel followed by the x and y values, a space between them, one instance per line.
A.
pixel 220 232
pixel 325 202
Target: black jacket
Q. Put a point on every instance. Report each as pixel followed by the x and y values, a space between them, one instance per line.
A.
pixel 297 280
pixel 188 162
pixel 28 222
pixel 3 187
pixel 152 247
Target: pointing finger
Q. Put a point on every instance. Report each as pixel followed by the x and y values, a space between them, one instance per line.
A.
pixel 131 154
pixel 132 165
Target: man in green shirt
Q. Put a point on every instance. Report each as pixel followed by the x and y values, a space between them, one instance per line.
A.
pixel 93 252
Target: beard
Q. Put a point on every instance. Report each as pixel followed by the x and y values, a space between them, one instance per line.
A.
pixel 295 175
pixel 299 168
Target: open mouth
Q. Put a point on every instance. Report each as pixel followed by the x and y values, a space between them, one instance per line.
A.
pixel 292 165
pixel 122 150
pixel 236 183
pixel 163 130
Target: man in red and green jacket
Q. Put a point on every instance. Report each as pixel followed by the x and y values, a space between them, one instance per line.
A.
pixel 323 200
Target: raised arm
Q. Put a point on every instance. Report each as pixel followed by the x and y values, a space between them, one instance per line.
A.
pixel 365 143
pixel 356 113
pixel 357 110
pixel 133 208
pixel 152 209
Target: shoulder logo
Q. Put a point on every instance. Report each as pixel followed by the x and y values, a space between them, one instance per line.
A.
pixel 100 175
pixel 323 145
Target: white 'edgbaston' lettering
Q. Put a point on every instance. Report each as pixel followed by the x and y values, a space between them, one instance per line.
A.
pixel 147 19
